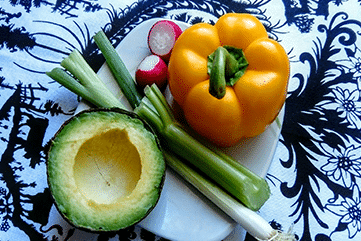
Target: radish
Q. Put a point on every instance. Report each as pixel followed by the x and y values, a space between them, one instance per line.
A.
pixel 162 37
pixel 151 70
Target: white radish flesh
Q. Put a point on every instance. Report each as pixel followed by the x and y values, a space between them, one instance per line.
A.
pixel 162 37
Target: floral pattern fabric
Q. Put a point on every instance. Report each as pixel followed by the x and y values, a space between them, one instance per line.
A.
pixel 315 175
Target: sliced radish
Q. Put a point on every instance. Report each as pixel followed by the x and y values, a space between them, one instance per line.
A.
pixel 162 37
pixel 151 70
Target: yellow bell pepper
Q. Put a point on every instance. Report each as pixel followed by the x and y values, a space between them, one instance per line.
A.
pixel 227 112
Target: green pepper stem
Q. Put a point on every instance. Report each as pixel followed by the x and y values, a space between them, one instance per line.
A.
pixel 225 65
pixel 217 80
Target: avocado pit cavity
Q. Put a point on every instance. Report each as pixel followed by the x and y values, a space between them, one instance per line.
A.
pixel 107 167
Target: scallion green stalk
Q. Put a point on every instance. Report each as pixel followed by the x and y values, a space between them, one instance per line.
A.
pixel 248 219
pixel 117 66
pixel 87 84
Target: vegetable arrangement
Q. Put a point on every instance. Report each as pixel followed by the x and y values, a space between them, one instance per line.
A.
pixel 182 151
pixel 230 79
pixel 243 184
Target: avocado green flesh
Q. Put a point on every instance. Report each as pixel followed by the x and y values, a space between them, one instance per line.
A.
pixel 105 170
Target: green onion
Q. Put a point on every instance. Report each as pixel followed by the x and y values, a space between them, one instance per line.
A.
pixel 87 85
pixel 117 66
pixel 249 220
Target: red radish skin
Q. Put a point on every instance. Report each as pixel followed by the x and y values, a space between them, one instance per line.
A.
pixel 151 70
pixel 162 37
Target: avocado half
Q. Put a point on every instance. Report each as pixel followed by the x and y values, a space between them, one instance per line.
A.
pixel 105 169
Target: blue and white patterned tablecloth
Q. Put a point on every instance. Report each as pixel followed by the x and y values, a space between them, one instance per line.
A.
pixel 315 175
